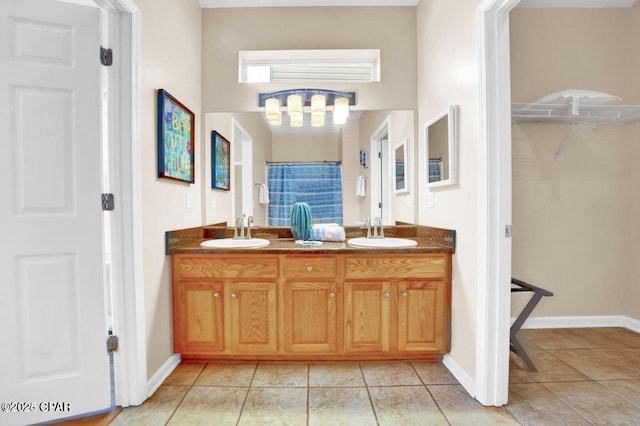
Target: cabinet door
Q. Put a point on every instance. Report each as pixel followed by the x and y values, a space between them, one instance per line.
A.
pixel 422 317
pixel 198 317
pixel 252 316
pixel 367 315
pixel 310 317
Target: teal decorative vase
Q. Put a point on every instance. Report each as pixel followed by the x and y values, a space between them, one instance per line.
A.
pixel 300 221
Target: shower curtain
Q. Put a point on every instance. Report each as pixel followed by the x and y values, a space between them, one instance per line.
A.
pixel 317 184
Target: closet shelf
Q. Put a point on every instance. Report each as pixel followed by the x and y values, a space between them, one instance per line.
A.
pixel 595 115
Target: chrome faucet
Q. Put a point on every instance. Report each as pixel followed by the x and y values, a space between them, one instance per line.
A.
pixel 378 229
pixel 242 235
pixel 239 227
pixel 249 223
pixel 375 230
pixel 367 226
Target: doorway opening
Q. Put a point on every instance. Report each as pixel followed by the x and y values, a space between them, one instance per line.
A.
pixel 243 172
pixel 380 173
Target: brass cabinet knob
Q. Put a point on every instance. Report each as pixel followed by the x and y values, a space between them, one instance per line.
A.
pixel 309 268
pixel 234 295
pixel 404 294
pixel 332 295
pixel 386 294
pixel 216 295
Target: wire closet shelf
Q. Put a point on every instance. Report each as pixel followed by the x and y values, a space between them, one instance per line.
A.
pixel 593 115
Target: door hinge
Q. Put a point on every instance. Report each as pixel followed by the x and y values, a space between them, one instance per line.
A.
pixel 112 342
pixel 379 205
pixel 106 56
pixel 507 231
pixel 108 203
pixel 380 154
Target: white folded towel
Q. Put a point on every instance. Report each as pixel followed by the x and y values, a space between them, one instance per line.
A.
pixel 263 194
pixel 328 232
pixel 361 190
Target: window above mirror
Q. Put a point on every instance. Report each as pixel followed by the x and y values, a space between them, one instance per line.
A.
pixel 310 65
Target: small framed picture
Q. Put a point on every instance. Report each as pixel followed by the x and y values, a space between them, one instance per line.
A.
pixel 220 161
pixel 176 155
pixel 364 158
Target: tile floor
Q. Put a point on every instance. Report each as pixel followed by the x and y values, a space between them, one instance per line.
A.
pixel 585 376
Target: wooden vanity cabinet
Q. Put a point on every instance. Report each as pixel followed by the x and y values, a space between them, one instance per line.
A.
pixel 198 317
pixel 367 316
pixel 311 304
pixel 423 316
pixel 344 306
pixel 397 303
pixel 252 319
pixel 224 304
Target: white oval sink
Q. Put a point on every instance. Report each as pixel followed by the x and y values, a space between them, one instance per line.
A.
pixel 381 242
pixel 231 243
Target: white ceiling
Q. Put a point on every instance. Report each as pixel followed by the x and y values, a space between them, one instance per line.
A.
pixel 293 3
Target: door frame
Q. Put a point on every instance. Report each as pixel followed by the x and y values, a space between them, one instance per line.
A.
pixel 494 202
pixel 130 361
pixel 377 145
pixel 246 149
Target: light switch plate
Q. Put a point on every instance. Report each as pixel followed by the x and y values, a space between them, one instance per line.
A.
pixel 430 199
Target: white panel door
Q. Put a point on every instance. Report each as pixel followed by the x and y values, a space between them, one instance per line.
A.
pixel 52 302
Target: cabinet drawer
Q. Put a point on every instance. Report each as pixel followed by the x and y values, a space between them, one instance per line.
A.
pixel 427 266
pixel 310 267
pixel 226 267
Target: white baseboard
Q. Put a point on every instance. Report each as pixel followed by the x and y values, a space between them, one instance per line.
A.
pixel 583 322
pixel 463 378
pixel 162 373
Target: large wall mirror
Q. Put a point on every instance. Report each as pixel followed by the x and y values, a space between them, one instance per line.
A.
pixel 440 135
pixel 328 144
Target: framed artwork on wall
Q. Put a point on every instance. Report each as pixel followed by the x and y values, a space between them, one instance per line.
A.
pixel 220 161
pixel 176 155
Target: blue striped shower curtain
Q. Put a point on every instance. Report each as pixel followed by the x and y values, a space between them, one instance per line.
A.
pixel 317 184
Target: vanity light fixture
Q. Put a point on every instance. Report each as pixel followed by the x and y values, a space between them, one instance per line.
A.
pixel 296 120
pixel 297 102
pixel 272 111
pixel 294 105
pixel 318 110
pixel 341 111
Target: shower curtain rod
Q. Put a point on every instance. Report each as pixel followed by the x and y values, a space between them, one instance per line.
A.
pixel 303 162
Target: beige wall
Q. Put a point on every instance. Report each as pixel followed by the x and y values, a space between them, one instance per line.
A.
pixel 574 229
pixel 169 60
pixel 391 29
pixel 351 169
pixel 448 75
pixel 307 147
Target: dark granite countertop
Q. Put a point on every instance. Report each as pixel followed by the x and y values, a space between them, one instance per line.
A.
pixel 430 240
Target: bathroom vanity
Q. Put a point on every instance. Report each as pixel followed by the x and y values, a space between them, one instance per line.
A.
pixel 325 302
